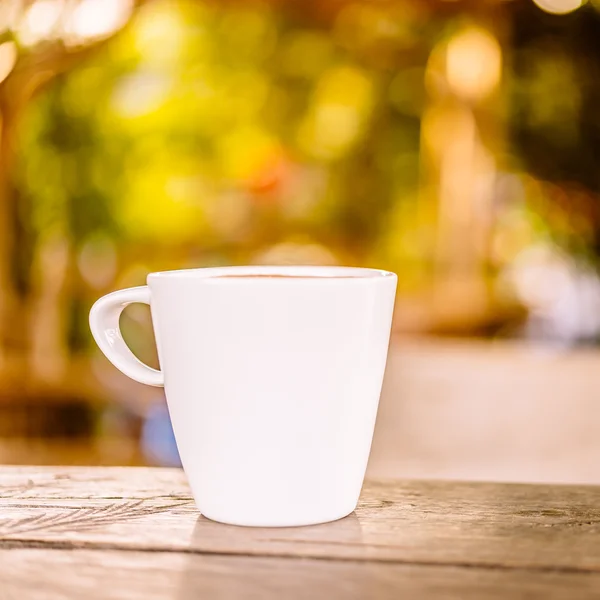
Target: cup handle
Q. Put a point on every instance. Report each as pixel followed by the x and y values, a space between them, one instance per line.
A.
pixel 104 323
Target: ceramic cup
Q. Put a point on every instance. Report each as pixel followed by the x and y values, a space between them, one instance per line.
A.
pixel 272 377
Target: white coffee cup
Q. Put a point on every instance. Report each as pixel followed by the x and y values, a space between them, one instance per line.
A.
pixel 272 377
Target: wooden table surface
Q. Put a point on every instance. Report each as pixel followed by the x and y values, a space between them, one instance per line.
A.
pixel 104 533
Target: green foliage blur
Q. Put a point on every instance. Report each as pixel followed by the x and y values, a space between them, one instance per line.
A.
pixel 206 134
pixel 224 131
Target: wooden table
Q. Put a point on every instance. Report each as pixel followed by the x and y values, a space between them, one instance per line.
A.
pixel 116 533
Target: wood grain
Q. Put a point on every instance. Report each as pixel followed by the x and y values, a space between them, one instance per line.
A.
pixel 37 574
pixel 135 532
pixel 485 525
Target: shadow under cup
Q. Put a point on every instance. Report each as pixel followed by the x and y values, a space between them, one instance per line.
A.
pixel 272 377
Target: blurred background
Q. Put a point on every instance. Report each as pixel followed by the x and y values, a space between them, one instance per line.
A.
pixel 455 142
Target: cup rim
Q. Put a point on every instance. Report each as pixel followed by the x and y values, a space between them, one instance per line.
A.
pixel 288 273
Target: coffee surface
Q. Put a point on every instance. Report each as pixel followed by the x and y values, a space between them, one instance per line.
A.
pixel 279 276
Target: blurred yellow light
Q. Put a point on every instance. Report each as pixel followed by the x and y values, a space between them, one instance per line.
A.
pixel 8 58
pixel 473 63
pixel 560 7
pixel 443 127
pixel 341 105
pixel 347 86
pixel 10 11
pixel 245 151
pixel 141 94
pixel 40 21
pixel 330 130
pixel 96 19
pixel 159 33
pixel 306 54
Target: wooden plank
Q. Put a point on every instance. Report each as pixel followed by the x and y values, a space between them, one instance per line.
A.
pixel 92 482
pixel 38 574
pixel 443 523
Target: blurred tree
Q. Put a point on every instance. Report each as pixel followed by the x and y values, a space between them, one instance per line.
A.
pixel 554 120
pixel 39 40
pixel 209 133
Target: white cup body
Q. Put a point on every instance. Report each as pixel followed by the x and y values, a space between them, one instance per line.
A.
pixel 273 385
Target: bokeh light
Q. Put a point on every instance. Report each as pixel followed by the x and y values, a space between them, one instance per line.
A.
pixel 8 58
pixel 473 63
pixel 10 14
pixel 560 7
pixel 96 19
pixel 337 118
pixel 41 21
